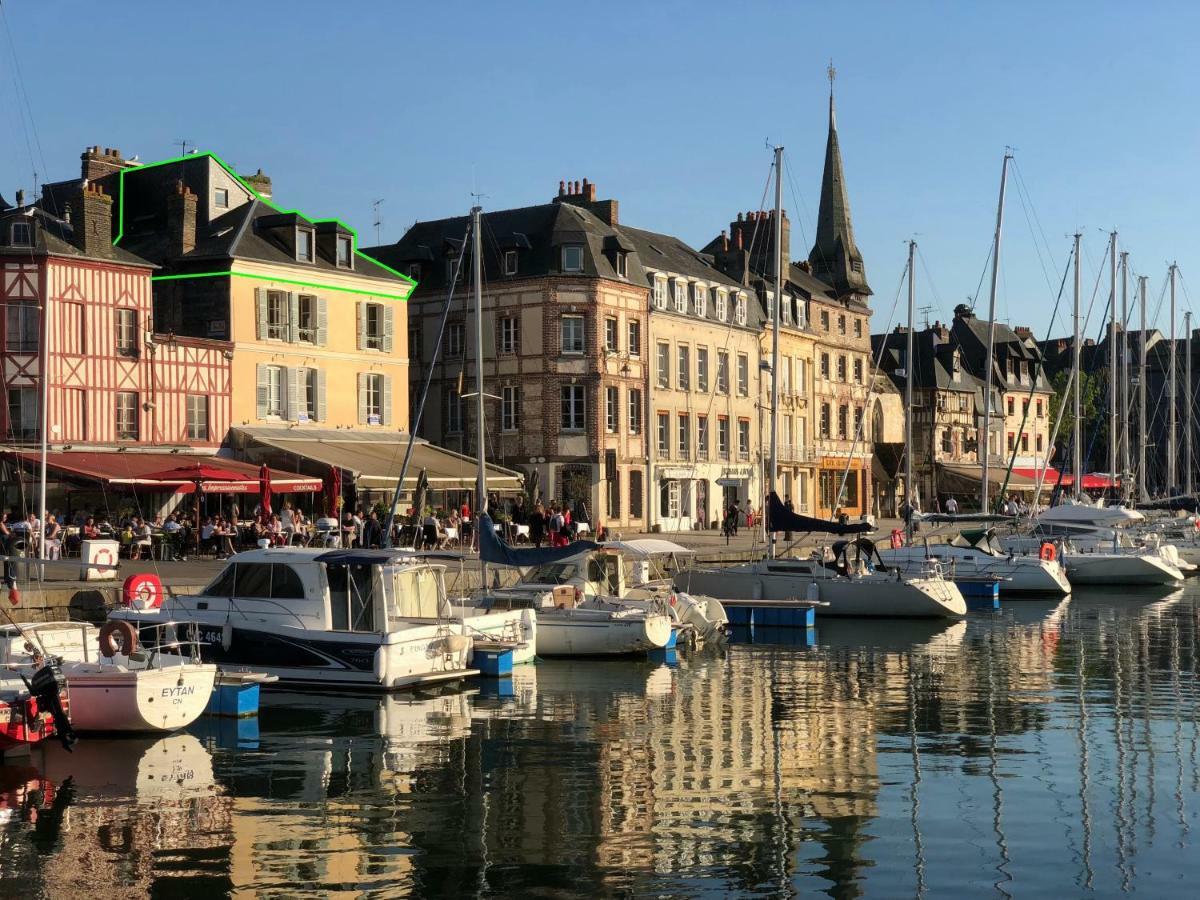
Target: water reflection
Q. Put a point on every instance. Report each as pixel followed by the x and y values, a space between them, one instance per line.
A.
pixel 1048 748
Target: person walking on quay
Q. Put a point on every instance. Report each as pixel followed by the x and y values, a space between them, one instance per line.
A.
pixel 787 504
pixel 952 506
pixel 537 525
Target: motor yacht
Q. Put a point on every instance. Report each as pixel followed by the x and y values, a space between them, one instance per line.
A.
pixel 370 619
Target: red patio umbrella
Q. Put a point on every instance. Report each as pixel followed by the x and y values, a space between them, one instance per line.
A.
pixel 198 474
pixel 333 491
pixel 264 493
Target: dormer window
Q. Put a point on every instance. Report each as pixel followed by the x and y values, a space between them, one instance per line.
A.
pixel 660 293
pixel 454 272
pixel 21 235
pixel 345 256
pixel 510 262
pixel 700 299
pixel 722 305
pixel 304 245
pixel 740 310
pixel 221 198
pixel 414 271
pixel 572 258
pixel 786 310
pixel 622 264
pixel 680 295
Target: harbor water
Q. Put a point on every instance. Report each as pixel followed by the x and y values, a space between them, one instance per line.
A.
pixel 1045 749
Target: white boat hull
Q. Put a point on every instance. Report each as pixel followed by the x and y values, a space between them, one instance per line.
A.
pixel 592 632
pixel 873 596
pixel 1017 574
pixel 114 698
pixel 1120 568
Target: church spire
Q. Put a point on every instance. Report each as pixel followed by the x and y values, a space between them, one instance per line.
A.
pixel 835 258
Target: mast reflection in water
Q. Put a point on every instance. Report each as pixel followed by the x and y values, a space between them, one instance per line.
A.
pixel 1049 749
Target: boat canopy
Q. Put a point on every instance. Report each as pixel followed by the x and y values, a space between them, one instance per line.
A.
pixel 363 557
pixel 643 547
pixel 780 518
pixel 1172 504
pixel 964 518
pixel 494 550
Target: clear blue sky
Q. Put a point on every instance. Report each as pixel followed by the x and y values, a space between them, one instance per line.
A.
pixel 667 107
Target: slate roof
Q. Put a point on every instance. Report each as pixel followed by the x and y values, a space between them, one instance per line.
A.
pixel 53 236
pixel 835 256
pixel 971 334
pixel 934 364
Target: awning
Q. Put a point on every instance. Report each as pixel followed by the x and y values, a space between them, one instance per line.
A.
pixel 120 468
pixel 968 476
pixel 373 458
pixel 1092 481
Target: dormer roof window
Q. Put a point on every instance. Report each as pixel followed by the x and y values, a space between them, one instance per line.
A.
pixel 345 252
pixel 622 264
pixel 510 262
pixel 20 234
pixel 304 245
pixel 572 258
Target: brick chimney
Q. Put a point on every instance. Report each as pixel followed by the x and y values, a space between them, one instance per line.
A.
pixel 756 232
pixel 584 195
pixel 91 215
pixel 181 220
pixel 1023 332
pixel 260 183
pixel 99 164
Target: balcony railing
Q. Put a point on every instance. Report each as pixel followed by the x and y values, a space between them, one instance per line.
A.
pixel 664 453
pixel 794 452
pixel 743 456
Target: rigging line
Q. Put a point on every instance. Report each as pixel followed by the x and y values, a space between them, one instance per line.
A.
pixel 974 298
pixel 929 278
pixel 1023 193
pixel 797 198
pixel 24 94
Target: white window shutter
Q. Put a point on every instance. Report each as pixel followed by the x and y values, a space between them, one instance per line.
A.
pixel 294 404
pixel 362 325
pixel 263 390
pixel 388 319
pixel 362 395
pixel 322 322
pixel 386 418
pixel 321 392
pixel 260 320
pixel 293 322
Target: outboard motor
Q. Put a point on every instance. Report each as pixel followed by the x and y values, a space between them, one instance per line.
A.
pixel 47 686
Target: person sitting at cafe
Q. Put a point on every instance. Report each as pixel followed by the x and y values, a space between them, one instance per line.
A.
pixel 300 526
pixel 6 533
pixel 432 535
pixel 224 533
pixel 173 536
pixel 53 535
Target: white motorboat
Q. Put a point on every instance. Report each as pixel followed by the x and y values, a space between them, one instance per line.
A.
pixel 844 586
pixel 370 619
pixel 978 554
pixel 115 684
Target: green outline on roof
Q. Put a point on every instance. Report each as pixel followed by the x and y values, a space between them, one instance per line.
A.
pixel 313 284
pixel 257 196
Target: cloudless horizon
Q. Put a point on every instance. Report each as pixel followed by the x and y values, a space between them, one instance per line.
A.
pixel 669 108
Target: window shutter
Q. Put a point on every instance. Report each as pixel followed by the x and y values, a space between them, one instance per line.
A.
pixel 293 405
pixel 321 391
pixel 260 321
pixel 322 323
pixel 262 390
pixel 386 418
pixel 362 395
pixel 293 322
pixel 362 328
pixel 388 318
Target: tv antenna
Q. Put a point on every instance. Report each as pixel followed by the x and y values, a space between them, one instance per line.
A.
pixel 378 223
pixel 183 145
pixel 925 311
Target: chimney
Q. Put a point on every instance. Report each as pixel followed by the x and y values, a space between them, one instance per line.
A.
pixel 562 188
pixel 181 220
pixel 91 220
pixel 739 239
pixel 724 240
pixel 20 198
pixel 584 195
pixel 99 164
pixel 260 183
pixel 1023 331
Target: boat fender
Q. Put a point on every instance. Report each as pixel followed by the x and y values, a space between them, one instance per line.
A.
pixel 814 592
pixel 226 636
pixel 1048 553
pixel 381 665
pixel 117 636
pixel 457 643
pixel 897 538
pixel 142 592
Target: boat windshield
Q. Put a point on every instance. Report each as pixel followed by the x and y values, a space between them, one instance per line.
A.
pixel 552 573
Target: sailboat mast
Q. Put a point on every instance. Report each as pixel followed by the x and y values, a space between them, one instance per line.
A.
pixel 1112 357
pixel 1187 403
pixel 987 391
pixel 909 377
pixel 44 424
pixel 1077 449
pixel 777 314
pixel 481 500
pixel 1124 381
pixel 1172 469
pixel 1142 494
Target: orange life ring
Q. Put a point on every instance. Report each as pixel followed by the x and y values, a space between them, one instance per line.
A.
pixel 1048 553
pixel 104 557
pixel 117 636
pixel 897 538
pixel 142 592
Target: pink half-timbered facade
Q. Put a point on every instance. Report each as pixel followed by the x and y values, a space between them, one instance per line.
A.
pixel 112 381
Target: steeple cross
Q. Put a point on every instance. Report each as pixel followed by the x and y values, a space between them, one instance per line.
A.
pixel 832 73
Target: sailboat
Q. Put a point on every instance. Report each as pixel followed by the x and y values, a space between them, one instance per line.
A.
pixel 856 582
